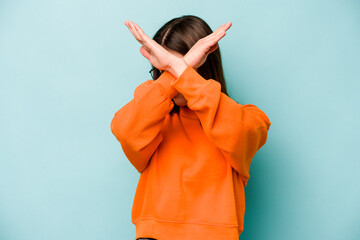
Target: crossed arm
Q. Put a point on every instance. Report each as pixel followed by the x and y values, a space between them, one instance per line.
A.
pixel 162 59
pixel 239 131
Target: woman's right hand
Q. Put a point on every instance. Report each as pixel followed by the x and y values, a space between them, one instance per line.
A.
pixel 158 56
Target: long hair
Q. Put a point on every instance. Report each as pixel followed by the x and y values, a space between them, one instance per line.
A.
pixel 180 34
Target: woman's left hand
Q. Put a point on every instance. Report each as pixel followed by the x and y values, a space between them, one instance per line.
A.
pixel 197 55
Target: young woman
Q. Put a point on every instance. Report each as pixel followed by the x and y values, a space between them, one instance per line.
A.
pixel 190 141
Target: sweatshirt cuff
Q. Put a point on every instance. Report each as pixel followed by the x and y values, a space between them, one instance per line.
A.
pixel 190 82
pixel 164 81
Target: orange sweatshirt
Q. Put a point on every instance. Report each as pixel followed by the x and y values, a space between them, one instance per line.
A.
pixel 194 165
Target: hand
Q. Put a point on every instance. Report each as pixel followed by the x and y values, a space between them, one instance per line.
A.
pixel 158 56
pixel 197 55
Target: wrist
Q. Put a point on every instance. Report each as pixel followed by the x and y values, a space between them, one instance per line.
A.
pixel 177 66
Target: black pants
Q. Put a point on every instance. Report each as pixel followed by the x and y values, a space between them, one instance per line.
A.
pixel 145 239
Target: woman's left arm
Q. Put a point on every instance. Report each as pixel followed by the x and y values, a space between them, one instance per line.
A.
pixel 239 131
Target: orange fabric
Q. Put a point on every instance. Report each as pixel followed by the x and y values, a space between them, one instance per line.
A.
pixel 194 165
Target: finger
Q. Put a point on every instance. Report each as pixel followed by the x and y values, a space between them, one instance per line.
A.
pixel 227 26
pixel 222 28
pixel 128 26
pixel 131 27
pixel 212 43
pixel 144 36
pixel 221 32
pixel 145 52
pixel 218 31
pixel 127 23
pixel 218 37
pixel 213 33
pixel 140 33
pixel 213 39
pixel 149 43
pixel 213 48
pixel 219 28
pixel 136 32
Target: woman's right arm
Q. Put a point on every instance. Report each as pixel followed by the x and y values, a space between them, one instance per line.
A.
pixel 137 125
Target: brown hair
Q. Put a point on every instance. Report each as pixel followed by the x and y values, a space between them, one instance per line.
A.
pixel 180 34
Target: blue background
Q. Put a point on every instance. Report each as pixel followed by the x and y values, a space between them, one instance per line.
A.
pixel 67 66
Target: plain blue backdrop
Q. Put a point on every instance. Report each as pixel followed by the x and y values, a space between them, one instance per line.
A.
pixel 67 66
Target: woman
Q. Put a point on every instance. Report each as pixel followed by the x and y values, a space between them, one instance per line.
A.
pixel 190 141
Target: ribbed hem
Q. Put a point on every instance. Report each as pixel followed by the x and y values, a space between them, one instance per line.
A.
pixel 164 81
pixel 165 230
pixel 189 80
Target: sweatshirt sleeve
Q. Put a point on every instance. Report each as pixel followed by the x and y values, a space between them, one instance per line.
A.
pixel 137 125
pixel 239 131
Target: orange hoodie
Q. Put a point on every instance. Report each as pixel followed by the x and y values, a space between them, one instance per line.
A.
pixel 194 165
